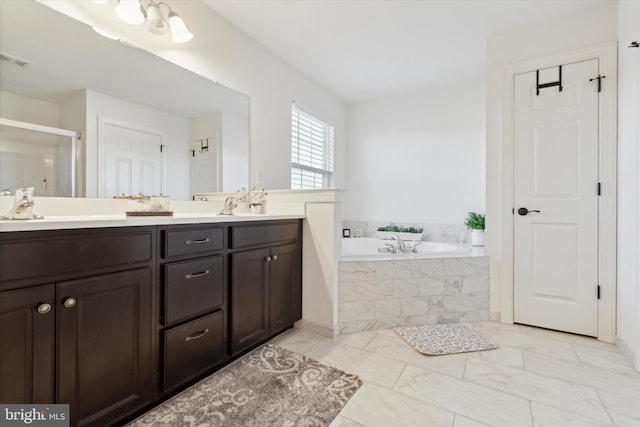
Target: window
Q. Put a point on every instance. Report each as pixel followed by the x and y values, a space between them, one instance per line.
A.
pixel 311 151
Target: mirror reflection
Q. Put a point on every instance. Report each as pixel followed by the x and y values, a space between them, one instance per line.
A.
pixel 145 124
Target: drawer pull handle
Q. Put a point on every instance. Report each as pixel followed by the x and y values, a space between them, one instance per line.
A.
pixel 197 242
pixel 44 308
pixel 194 275
pixel 196 335
pixel 69 302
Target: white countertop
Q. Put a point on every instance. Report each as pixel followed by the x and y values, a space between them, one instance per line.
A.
pixel 121 220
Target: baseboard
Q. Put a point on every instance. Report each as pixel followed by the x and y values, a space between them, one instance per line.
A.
pixel 315 328
pixel 627 351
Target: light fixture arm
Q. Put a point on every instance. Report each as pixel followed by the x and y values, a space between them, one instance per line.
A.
pixel 134 12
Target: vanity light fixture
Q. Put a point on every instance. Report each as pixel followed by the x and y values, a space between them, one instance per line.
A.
pixel 133 12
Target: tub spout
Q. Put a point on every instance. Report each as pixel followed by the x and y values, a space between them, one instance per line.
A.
pixel 402 246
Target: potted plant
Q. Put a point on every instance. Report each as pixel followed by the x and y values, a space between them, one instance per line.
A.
pixel 475 222
pixel 405 233
pixel 255 198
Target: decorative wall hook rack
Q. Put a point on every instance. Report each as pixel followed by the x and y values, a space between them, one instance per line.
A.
pixel 204 145
pixel 634 44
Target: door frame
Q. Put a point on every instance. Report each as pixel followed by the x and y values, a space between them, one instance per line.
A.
pixel 607 163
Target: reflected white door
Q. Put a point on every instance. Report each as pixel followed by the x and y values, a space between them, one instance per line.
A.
pixel 556 173
pixel 132 161
pixel 205 176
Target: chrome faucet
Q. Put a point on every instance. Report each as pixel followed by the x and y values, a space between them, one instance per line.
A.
pixel 23 205
pixel 229 204
pixel 402 246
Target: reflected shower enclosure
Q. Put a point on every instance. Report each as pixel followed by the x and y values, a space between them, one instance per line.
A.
pixel 37 156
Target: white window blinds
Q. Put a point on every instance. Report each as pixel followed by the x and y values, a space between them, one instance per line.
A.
pixel 311 151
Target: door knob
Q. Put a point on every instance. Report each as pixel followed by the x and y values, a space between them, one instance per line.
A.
pixel 524 211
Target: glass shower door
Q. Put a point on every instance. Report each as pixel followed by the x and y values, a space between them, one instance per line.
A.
pixel 37 156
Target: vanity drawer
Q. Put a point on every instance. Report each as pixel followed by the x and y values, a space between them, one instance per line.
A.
pixel 192 241
pixel 192 287
pixel 193 348
pixel 243 236
pixel 59 254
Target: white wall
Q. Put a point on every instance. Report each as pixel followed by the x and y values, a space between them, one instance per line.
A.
pixel 23 109
pixel 403 148
pixel 593 27
pixel 629 178
pixel 234 151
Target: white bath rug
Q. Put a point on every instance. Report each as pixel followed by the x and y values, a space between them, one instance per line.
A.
pixel 447 338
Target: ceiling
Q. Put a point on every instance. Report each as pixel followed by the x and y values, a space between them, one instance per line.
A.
pixel 367 49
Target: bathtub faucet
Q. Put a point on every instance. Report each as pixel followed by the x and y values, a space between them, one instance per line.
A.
pixel 402 246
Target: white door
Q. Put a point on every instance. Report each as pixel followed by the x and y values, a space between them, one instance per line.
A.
pixel 556 173
pixel 205 165
pixel 132 161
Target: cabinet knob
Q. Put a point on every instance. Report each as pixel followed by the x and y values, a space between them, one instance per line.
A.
pixel 275 257
pixel 44 308
pixel 69 302
pixel 268 259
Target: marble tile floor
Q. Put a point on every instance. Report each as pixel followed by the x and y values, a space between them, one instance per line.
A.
pixel 536 378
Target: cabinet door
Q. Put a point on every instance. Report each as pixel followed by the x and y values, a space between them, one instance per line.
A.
pixel 283 278
pixel 104 333
pixel 249 299
pixel 27 328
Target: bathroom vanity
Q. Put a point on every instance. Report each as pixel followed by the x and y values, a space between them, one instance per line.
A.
pixel 113 319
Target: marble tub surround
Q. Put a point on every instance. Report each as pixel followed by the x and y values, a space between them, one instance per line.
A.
pixel 536 378
pixel 376 295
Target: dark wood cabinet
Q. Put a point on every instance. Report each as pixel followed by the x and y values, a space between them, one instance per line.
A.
pixel 249 299
pixel 76 322
pixel 112 320
pixel 266 282
pixel 104 346
pixel 27 345
pixel 194 340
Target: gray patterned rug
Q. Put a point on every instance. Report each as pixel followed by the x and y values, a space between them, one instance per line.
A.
pixel 447 338
pixel 270 386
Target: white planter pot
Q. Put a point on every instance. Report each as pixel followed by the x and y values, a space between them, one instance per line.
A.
pixel 477 237
pixel 256 209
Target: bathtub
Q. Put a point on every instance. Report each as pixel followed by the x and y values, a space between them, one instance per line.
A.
pixel 366 249
pixel 441 283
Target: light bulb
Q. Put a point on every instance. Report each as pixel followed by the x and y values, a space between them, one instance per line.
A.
pixel 130 12
pixel 179 31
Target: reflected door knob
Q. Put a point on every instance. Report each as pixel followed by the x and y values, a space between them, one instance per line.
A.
pixel 524 211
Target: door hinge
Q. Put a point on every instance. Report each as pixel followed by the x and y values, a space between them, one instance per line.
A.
pixel 598 291
pixel 599 189
pixel 161 148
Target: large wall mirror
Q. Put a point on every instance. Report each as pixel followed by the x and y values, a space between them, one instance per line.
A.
pixel 144 124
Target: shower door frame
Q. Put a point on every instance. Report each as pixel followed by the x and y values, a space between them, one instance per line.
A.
pixel 75 136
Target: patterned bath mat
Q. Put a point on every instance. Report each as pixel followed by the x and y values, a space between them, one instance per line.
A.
pixel 447 338
pixel 270 386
